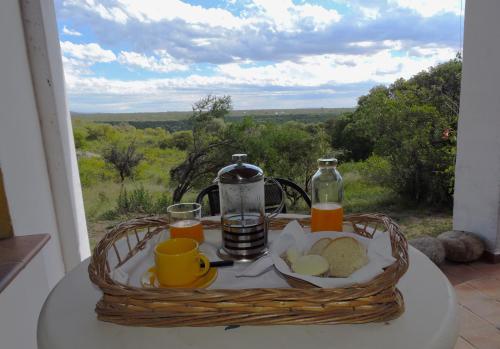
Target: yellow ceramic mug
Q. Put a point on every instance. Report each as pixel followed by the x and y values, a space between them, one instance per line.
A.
pixel 179 262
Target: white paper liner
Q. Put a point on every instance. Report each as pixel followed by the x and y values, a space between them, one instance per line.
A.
pixel 378 251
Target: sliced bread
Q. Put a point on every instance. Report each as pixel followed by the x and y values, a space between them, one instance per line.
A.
pixel 318 247
pixel 345 255
pixel 310 265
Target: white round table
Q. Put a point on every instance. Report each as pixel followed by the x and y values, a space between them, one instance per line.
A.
pixel 430 321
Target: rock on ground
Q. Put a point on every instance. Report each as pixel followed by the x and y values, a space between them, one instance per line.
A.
pixel 431 247
pixel 461 246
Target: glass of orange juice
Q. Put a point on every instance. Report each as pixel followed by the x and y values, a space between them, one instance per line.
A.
pixel 327 213
pixel 185 221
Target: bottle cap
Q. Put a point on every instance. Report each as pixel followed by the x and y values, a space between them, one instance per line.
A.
pixel 327 162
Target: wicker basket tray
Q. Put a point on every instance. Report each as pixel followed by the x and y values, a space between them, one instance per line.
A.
pixel 374 301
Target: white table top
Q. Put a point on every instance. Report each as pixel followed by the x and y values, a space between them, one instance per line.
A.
pixel 430 321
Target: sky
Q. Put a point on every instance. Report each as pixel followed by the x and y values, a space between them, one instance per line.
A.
pixel 164 55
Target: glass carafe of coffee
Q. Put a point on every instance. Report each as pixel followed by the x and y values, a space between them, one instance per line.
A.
pixel 242 207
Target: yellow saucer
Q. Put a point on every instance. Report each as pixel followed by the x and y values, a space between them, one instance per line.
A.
pixel 149 280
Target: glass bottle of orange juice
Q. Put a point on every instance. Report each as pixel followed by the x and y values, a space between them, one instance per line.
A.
pixel 327 193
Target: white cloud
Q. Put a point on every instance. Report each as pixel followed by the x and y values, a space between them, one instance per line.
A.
pixel 110 13
pixel 286 16
pixel 90 53
pixel 310 73
pixel 429 8
pixel 272 49
pixel 162 62
pixel 76 67
pixel 370 13
pixel 315 81
pixel 282 14
pixel 70 32
pixel 201 42
pixel 319 70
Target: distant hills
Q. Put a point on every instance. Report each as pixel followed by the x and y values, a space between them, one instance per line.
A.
pixel 182 115
pixel 178 120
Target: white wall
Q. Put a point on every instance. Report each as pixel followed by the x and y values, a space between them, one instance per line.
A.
pixel 477 174
pixel 20 305
pixel 22 155
pixel 36 185
pixel 44 55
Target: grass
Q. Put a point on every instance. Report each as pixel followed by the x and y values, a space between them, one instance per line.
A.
pixel 415 223
pixel 363 194
pixel 100 201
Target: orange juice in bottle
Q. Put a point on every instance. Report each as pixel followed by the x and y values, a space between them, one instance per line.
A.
pixel 326 217
pixel 327 193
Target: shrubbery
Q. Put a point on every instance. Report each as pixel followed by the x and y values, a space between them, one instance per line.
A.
pixel 140 200
pixel 93 170
pixel 412 123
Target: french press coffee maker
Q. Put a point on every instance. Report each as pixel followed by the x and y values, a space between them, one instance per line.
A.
pixel 244 222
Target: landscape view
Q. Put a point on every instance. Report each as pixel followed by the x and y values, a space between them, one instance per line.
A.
pixel 396 151
pixel 155 117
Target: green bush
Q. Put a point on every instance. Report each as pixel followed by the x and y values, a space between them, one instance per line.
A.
pixel 162 202
pixel 80 136
pixel 376 169
pixel 412 123
pixel 94 170
pixel 141 201
pixel 182 140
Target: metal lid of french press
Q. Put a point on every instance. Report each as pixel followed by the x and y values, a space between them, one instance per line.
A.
pixel 240 172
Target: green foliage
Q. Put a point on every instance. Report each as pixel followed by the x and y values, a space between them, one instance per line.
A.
pixel 140 201
pixel 80 135
pixel 162 203
pixel 365 185
pixel 376 169
pixel 182 140
pixel 93 170
pixel 287 150
pixel 124 158
pixel 350 141
pixel 412 123
pixel 207 142
pixel 177 121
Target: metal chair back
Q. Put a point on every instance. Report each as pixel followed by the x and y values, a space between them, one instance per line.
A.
pixel 272 195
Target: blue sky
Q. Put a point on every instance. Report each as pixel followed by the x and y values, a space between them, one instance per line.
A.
pixel 163 55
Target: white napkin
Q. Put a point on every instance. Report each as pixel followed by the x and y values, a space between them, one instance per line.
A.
pixel 378 250
pixel 122 273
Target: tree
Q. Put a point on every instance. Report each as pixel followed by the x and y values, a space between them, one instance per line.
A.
pixel 123 158
pixel 352 143
pixel 412 123
pixel 203 160
pixel 182 140
pixel 288 150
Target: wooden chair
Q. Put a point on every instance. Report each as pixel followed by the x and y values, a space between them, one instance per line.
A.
pixel 272 194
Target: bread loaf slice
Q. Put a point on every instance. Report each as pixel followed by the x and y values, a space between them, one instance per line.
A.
pixel 318 247
pixel 292 254
pixel 345 255
pixel 310 265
